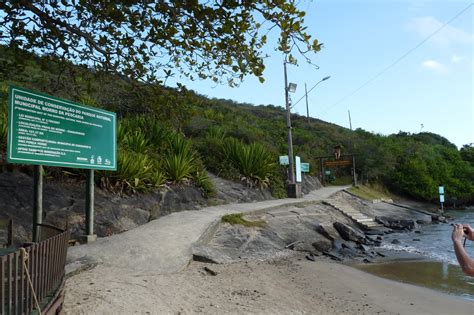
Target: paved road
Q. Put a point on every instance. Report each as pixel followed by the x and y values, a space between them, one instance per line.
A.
pixel 165 245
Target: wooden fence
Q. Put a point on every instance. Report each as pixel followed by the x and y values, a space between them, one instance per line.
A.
pixel 44 263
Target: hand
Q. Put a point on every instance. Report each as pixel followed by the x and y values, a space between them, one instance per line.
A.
pixel 458 233
pixel 469 232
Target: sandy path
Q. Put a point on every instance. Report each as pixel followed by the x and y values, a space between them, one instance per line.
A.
pixel 283 286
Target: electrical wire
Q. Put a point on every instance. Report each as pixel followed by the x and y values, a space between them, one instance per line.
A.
pixel 398 59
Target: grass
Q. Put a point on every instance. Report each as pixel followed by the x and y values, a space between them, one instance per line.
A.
pixel 370 192
pixel 237 218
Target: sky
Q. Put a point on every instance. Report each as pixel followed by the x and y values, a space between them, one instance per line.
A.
pixel 385 65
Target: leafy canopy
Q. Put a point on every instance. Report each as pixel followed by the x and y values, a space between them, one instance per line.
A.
pixel 149 40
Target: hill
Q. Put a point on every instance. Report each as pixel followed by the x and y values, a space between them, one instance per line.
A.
pixel 171 136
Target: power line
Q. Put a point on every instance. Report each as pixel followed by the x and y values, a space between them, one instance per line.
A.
pixel 399 59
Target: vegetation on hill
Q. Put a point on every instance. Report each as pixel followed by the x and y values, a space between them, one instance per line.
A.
pixel 171 136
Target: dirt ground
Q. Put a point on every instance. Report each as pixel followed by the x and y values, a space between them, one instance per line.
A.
pixel 287 284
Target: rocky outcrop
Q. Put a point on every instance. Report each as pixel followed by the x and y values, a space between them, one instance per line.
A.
pixel 349 233
pixel 398 224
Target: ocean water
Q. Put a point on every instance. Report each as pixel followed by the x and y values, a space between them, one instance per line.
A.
pixel 439 268
pixel 434 240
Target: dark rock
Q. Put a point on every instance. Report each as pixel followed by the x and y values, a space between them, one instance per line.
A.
pixel 334 256
pixel 328 231
pixel 380 254
pixel 210 271
pixel 350 252
pixel 337 245
pixel 367 261
pixel 364 248
pixel 418 232
pixel 416 240
pixel 424 221
pixel 310 257
pixel 376 231
pixel 372 237
pixel 348 233
pixel 438 218
pixel 397 224
pixel 395 241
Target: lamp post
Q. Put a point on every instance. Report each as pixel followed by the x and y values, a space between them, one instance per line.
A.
pixel 306 95
pixel 291 87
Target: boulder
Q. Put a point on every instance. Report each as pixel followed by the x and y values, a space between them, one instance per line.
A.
pixel 328 231
pixel 348 233
pixel 397 224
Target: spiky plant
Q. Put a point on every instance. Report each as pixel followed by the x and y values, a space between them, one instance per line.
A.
pixel 254 161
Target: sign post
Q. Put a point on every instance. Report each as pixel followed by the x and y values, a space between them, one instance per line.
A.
pixel 441 196
pixel 45 130
pixel 298 169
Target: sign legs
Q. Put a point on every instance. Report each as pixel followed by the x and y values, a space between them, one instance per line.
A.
pixel 90 236
pixel 37 200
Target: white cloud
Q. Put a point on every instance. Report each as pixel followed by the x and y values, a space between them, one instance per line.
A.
pixel 434 66
pixel 425 26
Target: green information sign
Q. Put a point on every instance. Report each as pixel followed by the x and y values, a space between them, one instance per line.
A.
pixel 46 130
pixel 305 167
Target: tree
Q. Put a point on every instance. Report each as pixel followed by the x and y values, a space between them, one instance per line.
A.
pixel 150 40
pixel 467 153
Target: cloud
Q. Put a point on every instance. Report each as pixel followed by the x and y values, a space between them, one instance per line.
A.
pixel 434 66
pixel 449 35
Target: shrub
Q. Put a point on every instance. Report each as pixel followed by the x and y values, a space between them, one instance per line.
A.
pixel 179 161
pixel 135 141
pixel 135 172
pixel 254 161
pixel 178 167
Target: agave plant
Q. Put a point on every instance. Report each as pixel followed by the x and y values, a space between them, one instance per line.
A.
pixel 178 167
pixel 136 141
pixel 134 171
pixel 254 161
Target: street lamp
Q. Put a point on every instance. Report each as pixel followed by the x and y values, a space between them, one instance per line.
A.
pixel 289 88
pixel 306 95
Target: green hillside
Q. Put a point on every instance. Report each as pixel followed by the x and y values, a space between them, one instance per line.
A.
pixel 171 136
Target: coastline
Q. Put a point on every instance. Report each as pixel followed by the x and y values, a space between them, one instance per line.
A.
pixel 257 276
pixel 289 284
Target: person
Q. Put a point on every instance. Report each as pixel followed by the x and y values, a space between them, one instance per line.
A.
pixel 459 232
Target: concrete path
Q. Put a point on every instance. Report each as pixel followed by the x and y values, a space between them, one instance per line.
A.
pixel 165 245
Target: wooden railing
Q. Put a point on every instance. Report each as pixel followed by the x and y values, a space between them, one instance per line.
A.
pixel 44 264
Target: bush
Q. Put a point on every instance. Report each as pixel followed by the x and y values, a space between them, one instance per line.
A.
pixel 254 161
pixel 135 172
pixel 136 141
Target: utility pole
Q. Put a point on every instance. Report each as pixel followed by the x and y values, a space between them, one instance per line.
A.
pixel 307 108
pixel 350 121
pixel 291 173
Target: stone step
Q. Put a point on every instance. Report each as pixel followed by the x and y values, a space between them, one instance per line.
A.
pixel 354 214
pixel 365 220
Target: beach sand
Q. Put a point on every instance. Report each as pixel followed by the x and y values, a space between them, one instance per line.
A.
pixel 289 284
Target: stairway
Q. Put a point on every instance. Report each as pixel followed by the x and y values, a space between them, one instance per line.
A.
pixel 357 216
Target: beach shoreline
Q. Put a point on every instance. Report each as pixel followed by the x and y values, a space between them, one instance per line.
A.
pixel 286 284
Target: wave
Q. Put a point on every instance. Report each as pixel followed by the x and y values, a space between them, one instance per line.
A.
pixel 445 258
